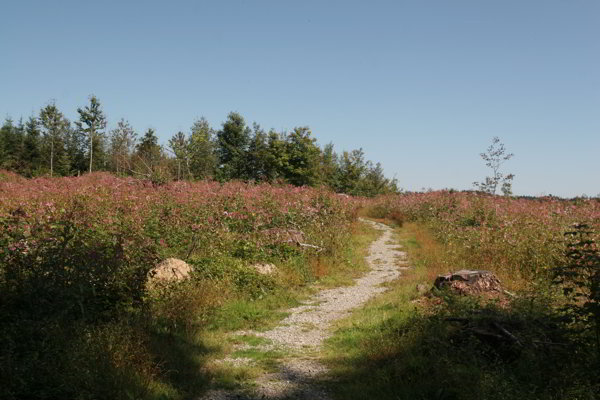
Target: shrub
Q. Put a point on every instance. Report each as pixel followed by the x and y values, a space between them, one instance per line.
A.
pixel 580 281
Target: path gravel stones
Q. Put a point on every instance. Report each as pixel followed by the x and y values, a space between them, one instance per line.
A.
pixel 301 334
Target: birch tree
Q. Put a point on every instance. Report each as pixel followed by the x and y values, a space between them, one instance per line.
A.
pixel 494 157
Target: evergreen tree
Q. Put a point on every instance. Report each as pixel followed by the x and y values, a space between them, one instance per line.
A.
pixel 32 153
pixel 149 159
pixel 18 147
pixel 374 182
pixel 54 126
pixel 352 170
pixel 329 168
pixel 64 163
pixel 303 158
pixel 91 124
pixel 11 145
pixel 276 156
pixel 76 147
pixel 122 145
pixel 180 147
pixel 148 151
pixel 2 145
pixel 235 152
pixel 257 156
pixel 232 144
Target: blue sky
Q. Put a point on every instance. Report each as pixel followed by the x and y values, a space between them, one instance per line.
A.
pixel 422 86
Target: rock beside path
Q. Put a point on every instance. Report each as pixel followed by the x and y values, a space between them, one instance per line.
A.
pixel 169 270
pixel 265 268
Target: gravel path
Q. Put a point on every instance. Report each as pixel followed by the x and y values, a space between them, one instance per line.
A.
pixel 307 326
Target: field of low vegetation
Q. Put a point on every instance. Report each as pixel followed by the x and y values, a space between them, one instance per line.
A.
pixel 538 340
pixel 518 237
pixel 77 320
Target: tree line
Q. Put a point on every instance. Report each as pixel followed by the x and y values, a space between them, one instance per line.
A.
pixel 48 144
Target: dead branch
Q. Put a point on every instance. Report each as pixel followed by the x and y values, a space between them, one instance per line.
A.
pixel 455 319
pixel 484 333
pixel 312 246
pixel 507 333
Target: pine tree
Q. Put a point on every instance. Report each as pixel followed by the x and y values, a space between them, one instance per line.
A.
pixel 232 144
pixel 75 145
pixel 18 147
pixel 7 141
pixel 257 156
pixel 32 154
pixel 352 171
pixel 148 151
pixel 276 157
pixel 303 158
pixel 149 160
pixel 329 168
pixel 374 182
pixel 12 138
pixel 122 145
pixel 63 163
pixel 180 147
pixel 2 145
pixel 91 124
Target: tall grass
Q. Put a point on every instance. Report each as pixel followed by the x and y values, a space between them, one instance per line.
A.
pixel 521 238
pixel 447 346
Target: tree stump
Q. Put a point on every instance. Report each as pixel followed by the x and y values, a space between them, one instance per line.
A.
pixel 469 282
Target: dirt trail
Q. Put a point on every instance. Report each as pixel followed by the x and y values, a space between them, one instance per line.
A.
pixel 304 330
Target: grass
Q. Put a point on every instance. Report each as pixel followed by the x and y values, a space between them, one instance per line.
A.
pixel 182 360
pixel 350 264
pixel 260 314
pixel 329 271
pixel 268 360
pixel 401 345
pixel 250 340
pixel 228 376
pixel 192 359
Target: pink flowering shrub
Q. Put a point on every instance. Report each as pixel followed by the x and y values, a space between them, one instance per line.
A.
pixel 90 238
pixel 511 235
pixel 75 252
pixel 9 176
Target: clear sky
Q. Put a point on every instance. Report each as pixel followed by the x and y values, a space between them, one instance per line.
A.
pixel 422 86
